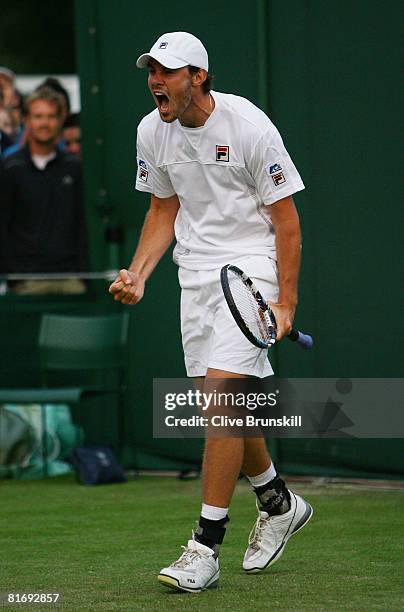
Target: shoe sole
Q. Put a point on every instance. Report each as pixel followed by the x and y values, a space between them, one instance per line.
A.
pixel 173 583
pixel 299 525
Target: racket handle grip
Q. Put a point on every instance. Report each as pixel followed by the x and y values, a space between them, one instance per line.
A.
pixel 304 340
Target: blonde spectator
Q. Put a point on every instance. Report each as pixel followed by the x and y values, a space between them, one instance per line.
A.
pixel 42 225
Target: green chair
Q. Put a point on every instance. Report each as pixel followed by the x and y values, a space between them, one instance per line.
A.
pixel 79 344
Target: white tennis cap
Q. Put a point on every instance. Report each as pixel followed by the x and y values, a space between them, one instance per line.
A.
pixel 175 50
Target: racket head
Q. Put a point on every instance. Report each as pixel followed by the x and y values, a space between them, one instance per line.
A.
pixel 249 309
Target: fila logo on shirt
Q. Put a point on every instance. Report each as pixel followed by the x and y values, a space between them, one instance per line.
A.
pixel 275 172
pixel 278 179
pixel 222 153
pixel 163 45
pixel 143 171
pixel 143 175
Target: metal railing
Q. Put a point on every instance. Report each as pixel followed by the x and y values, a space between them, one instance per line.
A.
pixel 108 275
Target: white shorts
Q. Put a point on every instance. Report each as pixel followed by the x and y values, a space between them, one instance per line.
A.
pixel 210 336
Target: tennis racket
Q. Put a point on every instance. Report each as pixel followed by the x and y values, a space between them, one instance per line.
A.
pixel 251 312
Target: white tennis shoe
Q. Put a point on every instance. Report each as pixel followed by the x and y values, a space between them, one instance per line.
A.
pixel 269 535
pixel 195 571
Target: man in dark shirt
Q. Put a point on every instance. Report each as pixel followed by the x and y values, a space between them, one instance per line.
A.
pixel 41 213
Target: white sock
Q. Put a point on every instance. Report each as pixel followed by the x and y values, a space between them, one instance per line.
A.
pixel 262 479
pixel 213 513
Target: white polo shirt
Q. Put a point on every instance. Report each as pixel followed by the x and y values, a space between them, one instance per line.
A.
pixel 225 174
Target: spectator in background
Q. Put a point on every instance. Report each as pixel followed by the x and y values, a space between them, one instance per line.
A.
pixel 17 114
pixel 57 86
pixel 16 110
pixel 71 135
pixel 6 130
pixel 42 227
pixel 7 78
pixel 17 107
pixel 6 92
pixel 6 123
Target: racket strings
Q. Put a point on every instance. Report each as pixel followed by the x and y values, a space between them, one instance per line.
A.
pixel 249 308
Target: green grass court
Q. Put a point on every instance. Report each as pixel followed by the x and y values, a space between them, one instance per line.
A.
pixel 102 548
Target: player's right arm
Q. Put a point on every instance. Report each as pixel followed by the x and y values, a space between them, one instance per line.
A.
pixel 157 235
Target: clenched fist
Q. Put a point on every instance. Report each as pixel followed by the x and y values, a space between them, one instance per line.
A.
pixel 128 287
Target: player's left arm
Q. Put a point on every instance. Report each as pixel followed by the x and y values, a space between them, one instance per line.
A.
pixel 285 221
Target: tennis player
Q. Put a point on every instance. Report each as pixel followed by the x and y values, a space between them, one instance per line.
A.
pixel 221 182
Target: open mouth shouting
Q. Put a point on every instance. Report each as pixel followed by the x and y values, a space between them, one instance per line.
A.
pixel 162 100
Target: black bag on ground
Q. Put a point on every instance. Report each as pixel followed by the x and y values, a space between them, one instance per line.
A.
pixel 96 465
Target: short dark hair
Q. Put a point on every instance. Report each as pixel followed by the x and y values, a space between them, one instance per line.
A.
pixel 208 82
pixel 72 120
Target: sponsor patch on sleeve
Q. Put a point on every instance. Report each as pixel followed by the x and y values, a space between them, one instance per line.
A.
pixel 143 174
pixel 273 168
pixel 278 178
pixel 142 164
pixel 275 171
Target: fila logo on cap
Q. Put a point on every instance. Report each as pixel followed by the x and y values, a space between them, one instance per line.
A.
pixel 222 153
pixel 163 45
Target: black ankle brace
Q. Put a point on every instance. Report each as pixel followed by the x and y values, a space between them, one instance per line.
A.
pixel 211 533
pixel 274 498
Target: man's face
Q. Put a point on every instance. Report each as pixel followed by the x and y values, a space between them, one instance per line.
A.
pixel 72 139
pixel 6 84
pixel 5 122
pixel 171 90
pixel 43 122
pixel 15 111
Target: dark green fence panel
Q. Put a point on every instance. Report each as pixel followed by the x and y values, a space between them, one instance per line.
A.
pixel 334 95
